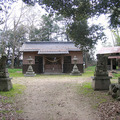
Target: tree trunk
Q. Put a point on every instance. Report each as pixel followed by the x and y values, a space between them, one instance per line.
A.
pixel 18 59
pixel 86 59
pixel 13 56
pixel 67 38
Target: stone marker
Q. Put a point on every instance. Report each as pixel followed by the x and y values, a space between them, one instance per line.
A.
pixel 5 81
pixel 101 80
pixel 30 72
pixel 75 70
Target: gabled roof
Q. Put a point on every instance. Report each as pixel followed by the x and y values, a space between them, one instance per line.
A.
pixel 109 50
pixel 49 47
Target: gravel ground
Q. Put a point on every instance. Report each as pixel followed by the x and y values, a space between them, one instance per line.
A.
pixel 53 98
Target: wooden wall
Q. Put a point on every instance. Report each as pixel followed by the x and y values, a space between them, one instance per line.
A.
pixel 26 56
pixel 78 54
pixel 67 68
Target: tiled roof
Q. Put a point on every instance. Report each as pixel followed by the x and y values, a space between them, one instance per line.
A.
pixel 109 50
pixel 49 47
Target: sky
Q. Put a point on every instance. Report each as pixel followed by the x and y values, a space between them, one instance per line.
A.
pixel 103 20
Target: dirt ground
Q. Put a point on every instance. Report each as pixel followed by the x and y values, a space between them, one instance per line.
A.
pixel 53 98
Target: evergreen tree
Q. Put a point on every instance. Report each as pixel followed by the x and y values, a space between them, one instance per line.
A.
pixel 77 12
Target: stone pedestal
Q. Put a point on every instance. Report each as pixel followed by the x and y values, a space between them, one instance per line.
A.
pixel 5 84
pixel 101 83
pixel 5 81
pixel 75 70
pixel 101 80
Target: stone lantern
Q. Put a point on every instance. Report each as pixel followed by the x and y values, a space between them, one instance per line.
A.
pixel 75 70
pixel 101 80
pixel 5 81
pixel 30 72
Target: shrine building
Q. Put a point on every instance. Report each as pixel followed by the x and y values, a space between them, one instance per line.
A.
pixel 113 54
pixel 51 57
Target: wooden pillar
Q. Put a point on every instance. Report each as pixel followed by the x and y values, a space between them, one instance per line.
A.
pixel 111 64
pixel 119 63
pixel 43 64
pixel 62 63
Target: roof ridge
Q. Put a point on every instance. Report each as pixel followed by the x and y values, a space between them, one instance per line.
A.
pixel 45 42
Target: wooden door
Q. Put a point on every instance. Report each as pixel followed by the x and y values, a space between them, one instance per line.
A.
pixel 38 64
pixel 53 65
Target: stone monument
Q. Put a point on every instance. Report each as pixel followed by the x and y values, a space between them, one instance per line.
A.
pixel 114 90
pixel 101 80
pixel 30 72
pixel 75 70
pixel 5 81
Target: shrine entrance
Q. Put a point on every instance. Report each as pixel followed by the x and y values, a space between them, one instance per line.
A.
pixel 53 64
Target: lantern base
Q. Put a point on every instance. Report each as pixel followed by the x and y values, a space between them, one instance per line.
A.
pixel 29 74
pixel 75 71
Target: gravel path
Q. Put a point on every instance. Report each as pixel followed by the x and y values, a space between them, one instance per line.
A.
pixel 53 98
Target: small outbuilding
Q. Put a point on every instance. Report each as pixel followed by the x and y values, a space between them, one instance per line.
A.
pixel 113 54
pixel 51 57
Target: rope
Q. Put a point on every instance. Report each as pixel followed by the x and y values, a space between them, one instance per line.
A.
pixel 53 61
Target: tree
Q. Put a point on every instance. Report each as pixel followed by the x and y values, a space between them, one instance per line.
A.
pixel 48 28
pixel 4 17
pixel 32 22
pixel 110 7
pixel 5 6
pixel 88 8
pixel 17 21
pixel 76 8
pixel 88 57
pixel 78 12
pixel 9 34
pixel 17 35
pixel 84 35
pixel 34 34
pixel 16 39
pixel 14 42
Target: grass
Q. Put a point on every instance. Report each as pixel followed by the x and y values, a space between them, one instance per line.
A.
pixel 18 73
pixel 89 71
pixel 19 111
pixel 115 76
pixel 5 111
pixel 85 88
pixel 8 97
pixel 15 72
pixel 90 68
pixel 95 97
pixel 9 101
pixel 17 89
